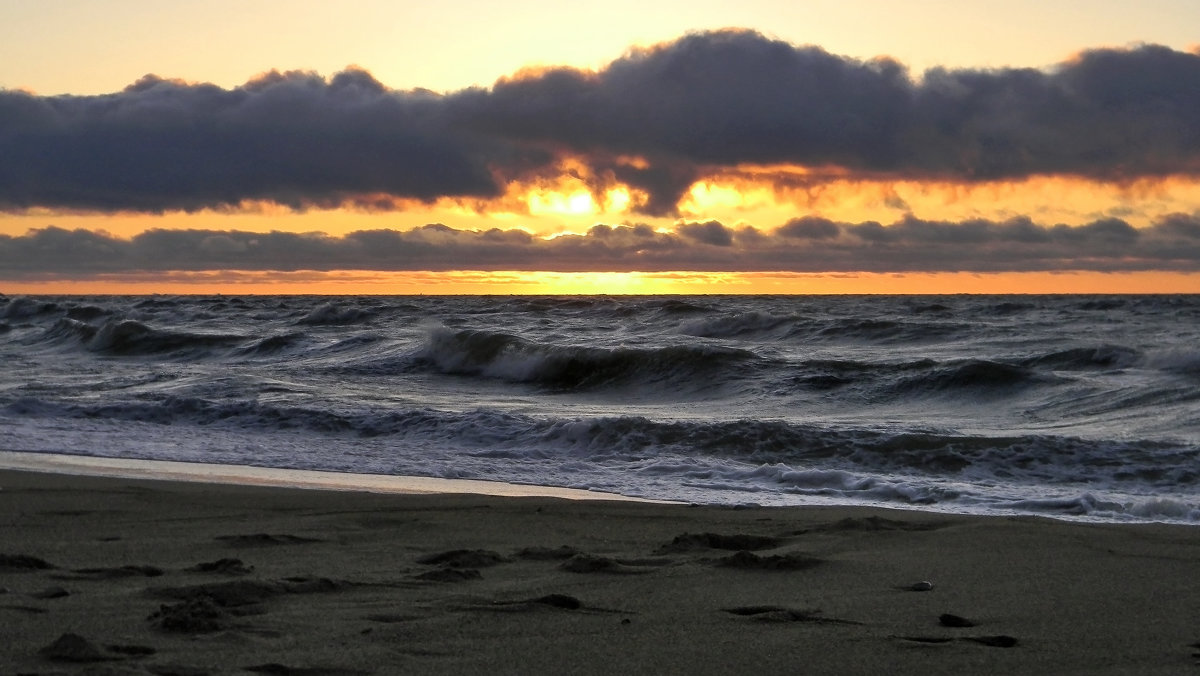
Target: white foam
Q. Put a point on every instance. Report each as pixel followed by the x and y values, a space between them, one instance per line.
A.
pixel 166 470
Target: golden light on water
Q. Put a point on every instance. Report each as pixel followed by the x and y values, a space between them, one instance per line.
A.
pixel 352 282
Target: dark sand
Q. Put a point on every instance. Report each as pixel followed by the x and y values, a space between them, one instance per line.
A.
pixel 132 576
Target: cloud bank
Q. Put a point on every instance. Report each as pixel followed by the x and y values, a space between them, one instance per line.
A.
pixel 802 245
pixel 657 119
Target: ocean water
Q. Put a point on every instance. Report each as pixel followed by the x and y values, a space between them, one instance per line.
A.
pixel 1071 406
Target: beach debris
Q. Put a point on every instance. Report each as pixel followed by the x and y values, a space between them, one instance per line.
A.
pixel 949 620
pixel 74 648
pixel 922 586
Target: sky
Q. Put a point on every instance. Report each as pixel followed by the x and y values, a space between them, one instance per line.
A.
pixel 763 146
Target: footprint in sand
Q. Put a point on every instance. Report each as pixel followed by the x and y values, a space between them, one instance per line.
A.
pixel 873 523
pixel 11 563
pixel 547 553
pixel 998 641
pixel 751 561
pixel 560 601
pixel 782 614
pixel 463 558
pixel 282 670
pixel 737 542
pixel 588 563
pixel 450 575
pixel 223 566
pixel 264 540
pixel 949 620
pixel 75 648
pixel 50 593
pixel 114 573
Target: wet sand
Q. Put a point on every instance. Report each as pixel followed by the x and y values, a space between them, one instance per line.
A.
pixel 110 575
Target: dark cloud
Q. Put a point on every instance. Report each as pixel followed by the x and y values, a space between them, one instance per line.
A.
pixel 711 233
pixel 804 245
pixel 291 138
pixel 721 99
pixel 809 227
pixel 687 109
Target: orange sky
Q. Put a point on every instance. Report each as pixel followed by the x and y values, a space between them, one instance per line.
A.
pixel 731 199
pixel 571 208
pixel 621 283
pixel 710 184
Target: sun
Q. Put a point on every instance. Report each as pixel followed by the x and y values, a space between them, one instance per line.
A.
pixel 549 202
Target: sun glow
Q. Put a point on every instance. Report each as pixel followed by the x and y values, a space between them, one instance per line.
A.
pixel 707 197
pixel 543 202
pixel 508 282
pixel 769 196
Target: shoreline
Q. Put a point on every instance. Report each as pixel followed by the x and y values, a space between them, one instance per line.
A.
pixel 333 480
pixel 161 576
pixel 250 475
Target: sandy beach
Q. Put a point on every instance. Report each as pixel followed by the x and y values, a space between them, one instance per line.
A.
pixel 137 576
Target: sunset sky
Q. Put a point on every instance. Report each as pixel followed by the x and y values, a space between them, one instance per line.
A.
pixel 761 146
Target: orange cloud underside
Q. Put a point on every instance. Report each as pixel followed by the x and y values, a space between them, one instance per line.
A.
pixel 574 199
pixel 588 283
pixel 765 197
pixel 760 193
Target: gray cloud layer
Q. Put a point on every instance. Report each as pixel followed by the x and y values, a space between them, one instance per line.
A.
pixel 802 245
pixel 704 102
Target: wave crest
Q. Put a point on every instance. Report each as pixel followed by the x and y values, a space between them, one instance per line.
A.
pixel 737 325
pixel 1084 358
pixel 332 314
pixel 130 337
pixel 507 357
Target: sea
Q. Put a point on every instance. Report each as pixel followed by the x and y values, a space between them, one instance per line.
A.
pixel 1069 406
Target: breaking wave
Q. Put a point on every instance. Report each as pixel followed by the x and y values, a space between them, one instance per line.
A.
pixel 511 358
pixel 1061 405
